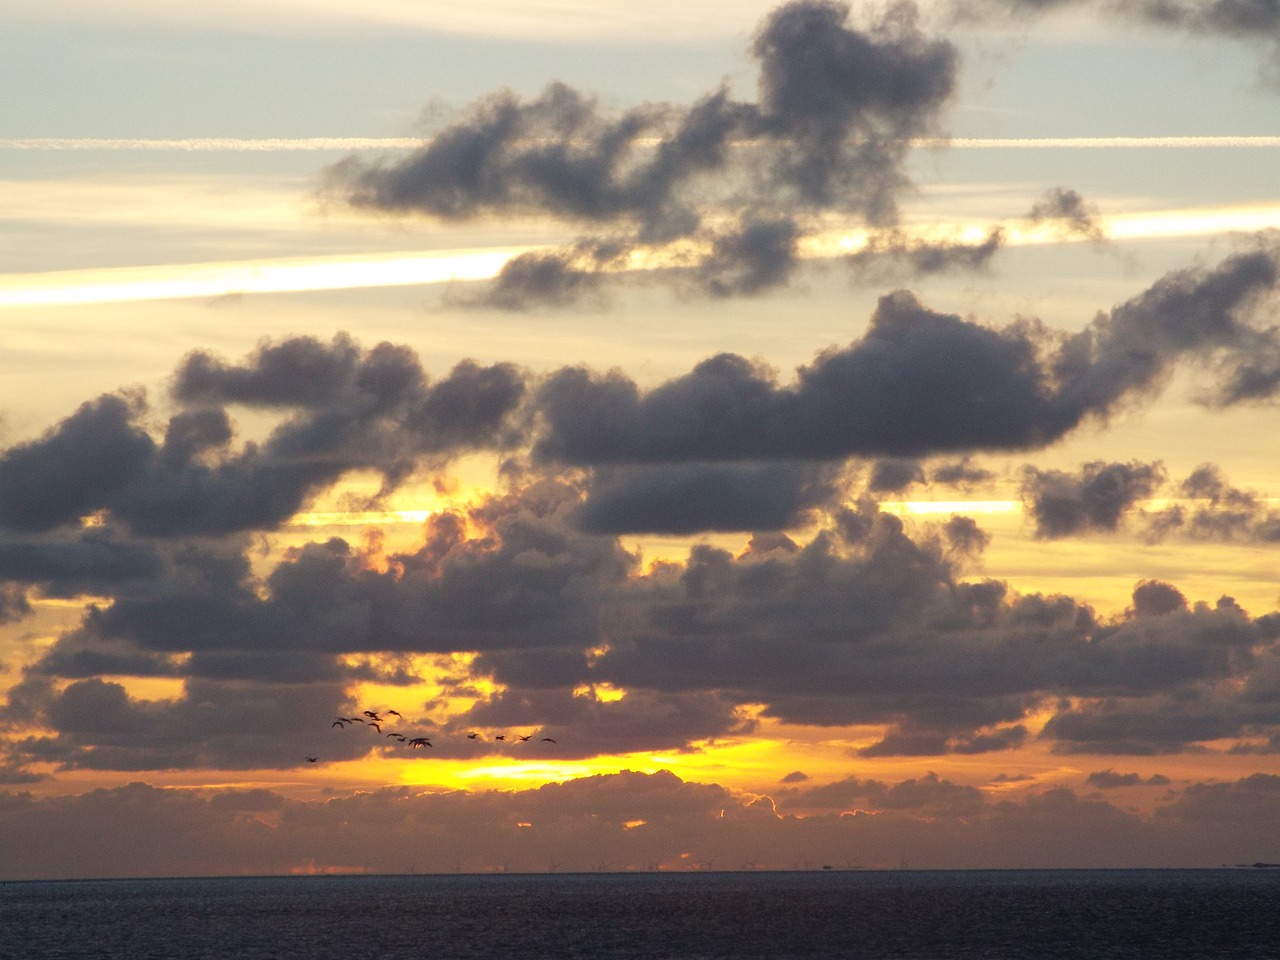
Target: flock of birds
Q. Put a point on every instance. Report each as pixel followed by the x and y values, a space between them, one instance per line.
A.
pixel 374 721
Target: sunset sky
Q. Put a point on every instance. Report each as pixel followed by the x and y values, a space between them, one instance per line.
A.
pixel 831 434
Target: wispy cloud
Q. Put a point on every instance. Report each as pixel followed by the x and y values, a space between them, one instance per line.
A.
pixel 177 281
pixel 417 267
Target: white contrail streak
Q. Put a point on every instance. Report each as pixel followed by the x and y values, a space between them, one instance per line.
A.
pixel 282 144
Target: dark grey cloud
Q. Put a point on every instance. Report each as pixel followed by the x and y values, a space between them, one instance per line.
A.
pixel 1251 800
pixel 894 476
pixel 14 603
pixel 1094 500
pixel 1105 497
pixel 917 383
pixel 341 409
pixel 214 725
pixel 868 622
pixel 1068 211
pixel 892 255
pixel 75 467
pixel 629 820
pixel 552 278
pixel 759 255
pixel 1254 22
pixel 694 498
pixel 1213 509
pixel 960 473
pixel 585 726
pixel 1110 780
pixel 838 105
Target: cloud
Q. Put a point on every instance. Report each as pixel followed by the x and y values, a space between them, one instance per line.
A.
pixel 1251 21
pixel 1250 800
pixel 917 383
pixel 693 498
pixel 1213 509
pixel 628 820
pixel 344 409
pixel 894 476
pixel 838 105
pixel 865 623
pixel 71 470
pixel 891 255
pixel 1110 780
pixel 1067 210
pixel 1097 499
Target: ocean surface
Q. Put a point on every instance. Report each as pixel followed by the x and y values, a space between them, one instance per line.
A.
pixel 994 915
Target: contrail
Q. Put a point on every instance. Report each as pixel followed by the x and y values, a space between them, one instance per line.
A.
pixel 1095 143
pixel 283 144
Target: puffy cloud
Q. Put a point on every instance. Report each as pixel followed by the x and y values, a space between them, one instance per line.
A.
pixel 345 409
pixel 1068 211
pixel 692 498
pixel 1110 780
pixel 1215 510
pixel 1096 500
pixel 917 383
pixel 214 725
pixel 76 466
pixel 838 105
pixel 863 624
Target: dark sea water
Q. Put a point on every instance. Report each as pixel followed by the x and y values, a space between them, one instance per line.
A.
pixel 854 914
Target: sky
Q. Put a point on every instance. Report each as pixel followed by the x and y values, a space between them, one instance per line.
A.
pixel 722 436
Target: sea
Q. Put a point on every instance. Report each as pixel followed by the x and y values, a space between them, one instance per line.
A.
pixel 994 915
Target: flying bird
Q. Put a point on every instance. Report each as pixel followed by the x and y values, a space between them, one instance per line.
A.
pixel 395 713
pixel 547 740
pixel 312 759
pixel 522 739
pixel 472 736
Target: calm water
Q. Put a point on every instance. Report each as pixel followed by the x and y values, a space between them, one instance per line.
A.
pixel 898 914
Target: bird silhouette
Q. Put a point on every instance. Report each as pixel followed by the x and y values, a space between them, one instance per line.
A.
pixel 312 759
pixel 547 740
pixel 395 713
